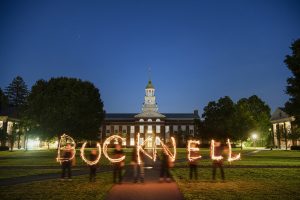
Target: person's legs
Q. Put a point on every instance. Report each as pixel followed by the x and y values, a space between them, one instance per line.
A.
pixel 135 172
pixel 222 171
pixel 69 170
pixel 191 171
pixel 115 173
pixel 196 171
pixel 142 173
pixel 214 166
pixel 120 174
pixel 63 171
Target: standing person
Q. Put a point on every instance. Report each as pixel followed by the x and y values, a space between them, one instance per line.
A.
pixel 66 162
pixel 164 167
pixel 193 163
pixel 118 166
pixel 93 168
pixel 218 150
pixel 138 168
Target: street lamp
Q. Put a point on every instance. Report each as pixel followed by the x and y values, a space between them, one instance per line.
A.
pixel 254 138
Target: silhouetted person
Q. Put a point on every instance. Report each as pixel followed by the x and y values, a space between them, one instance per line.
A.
pixel 138 168
pixel 66 162
pixel 118 166
pixel 164 167
pixel 93 168
pixel 193 164
pixel 218 150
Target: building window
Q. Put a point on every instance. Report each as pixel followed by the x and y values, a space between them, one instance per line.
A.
pixel 107 130
pixel 10 127
pixel 175 129
pixel 158 120
pixel 124 129
pixel 131 129
pixel 116 129
pixel 157 141
pixel 141 126
pixel 1 124
pixel 141 140
pixel 191 130
pixel 183 128
pixel 124 141
pixel 132 139
pixel 167 133
pixel 149 130
pixel 157 128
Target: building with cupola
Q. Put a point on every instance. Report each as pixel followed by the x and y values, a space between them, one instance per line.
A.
pixel 150 123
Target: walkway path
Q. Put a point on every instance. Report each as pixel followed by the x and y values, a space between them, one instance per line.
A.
pixel 149 190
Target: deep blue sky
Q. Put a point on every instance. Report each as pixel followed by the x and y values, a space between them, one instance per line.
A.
pixel 198 50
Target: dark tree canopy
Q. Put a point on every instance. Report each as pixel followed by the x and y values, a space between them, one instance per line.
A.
pixel 3 101
pixel 218 118
pixel 17 92
pixel 66 105
pixel 293 83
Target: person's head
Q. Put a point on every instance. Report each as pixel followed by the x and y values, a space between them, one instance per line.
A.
pixel 217 143
pixel 118 147
pixel 68 146
pixel 94 152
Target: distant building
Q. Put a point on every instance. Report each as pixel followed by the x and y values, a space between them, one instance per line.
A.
pixel 150 123
pixel 282 129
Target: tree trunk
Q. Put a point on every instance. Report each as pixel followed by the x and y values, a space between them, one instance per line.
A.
pixel 26 143
pixel 19 140
pixel 12 141
pixel 48 144
pixel 241 144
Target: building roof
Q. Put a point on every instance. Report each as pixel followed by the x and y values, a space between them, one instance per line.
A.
pixel 149 85
pixel 167 115
pixel 280 115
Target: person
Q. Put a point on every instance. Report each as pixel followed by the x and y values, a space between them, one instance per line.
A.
pixel 66 162
pixel 193 164
pixel 93 168
pixel 138 168
pixel 164 167
pixel 218 150
pixel 118 166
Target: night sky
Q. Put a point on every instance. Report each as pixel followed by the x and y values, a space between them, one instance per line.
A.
pixel 198 50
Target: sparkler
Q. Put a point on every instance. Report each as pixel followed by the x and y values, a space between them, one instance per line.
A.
pixel 65 138
pixel 212 152
pixel 88 161
pixel 230 158
pixel 140 149
pixel 194 149
pixel 171 155
pixel 106 143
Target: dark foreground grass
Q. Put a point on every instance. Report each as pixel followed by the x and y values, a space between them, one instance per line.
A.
pixel 78 188
pixel 241 184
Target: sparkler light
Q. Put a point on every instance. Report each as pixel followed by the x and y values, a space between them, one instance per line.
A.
pixel 230 158
pixel 66 140
pixel 212 151
pixel 194 149
pixel 171 155
pixel 106 143
pixel 88 161
pixel 140 149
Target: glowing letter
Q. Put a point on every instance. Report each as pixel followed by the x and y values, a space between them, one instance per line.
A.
pixel 194 149
pixel 140 149
pixel 230 158
pixel 171 155
pixel 212 151
pixel 88 161
pixel 106 143
pixel 65 138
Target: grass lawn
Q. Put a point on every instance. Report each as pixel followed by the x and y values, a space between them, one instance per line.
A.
pixel 241 184
pixel 78 188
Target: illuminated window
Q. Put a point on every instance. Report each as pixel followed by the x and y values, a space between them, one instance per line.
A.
pixel 116 129
pixel 107 130
pixel 158 129
pixel 131 129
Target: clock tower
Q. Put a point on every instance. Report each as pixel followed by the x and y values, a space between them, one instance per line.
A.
pixel 149 102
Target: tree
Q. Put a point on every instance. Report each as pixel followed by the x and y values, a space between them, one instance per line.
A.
pixel 66 105
pixel 17 94
pixel 3 109
pixel 252 114
pixel 293 83
pixel 218 118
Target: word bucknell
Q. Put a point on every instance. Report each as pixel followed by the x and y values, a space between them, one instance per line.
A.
pixel 191 147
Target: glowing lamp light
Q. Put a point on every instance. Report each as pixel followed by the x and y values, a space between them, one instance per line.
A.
pixel 105 145
pixel 67 139
pixel 212 152
pixel 193 149
pixel 254 136
pixel 230 158
pixel 31 144
pixel 88 161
